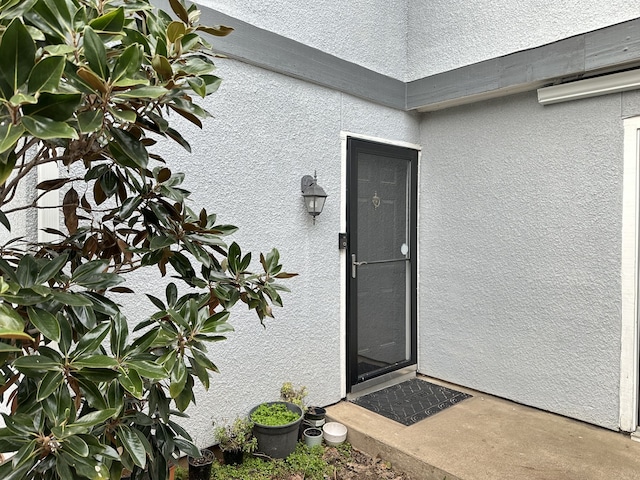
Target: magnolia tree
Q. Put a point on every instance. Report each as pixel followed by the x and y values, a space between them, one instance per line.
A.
pixel 88 85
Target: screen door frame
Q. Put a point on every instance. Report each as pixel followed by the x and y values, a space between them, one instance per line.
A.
pixel 356 146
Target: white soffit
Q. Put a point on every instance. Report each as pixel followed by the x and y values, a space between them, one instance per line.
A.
pixel 591 87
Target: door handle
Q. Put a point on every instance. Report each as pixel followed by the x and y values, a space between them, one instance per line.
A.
pixel 354 265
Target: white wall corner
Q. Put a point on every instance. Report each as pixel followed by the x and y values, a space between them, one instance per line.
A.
pixel 629 278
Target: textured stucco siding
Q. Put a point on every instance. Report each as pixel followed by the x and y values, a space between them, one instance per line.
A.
pixel 520 226
pixel 447 34
pixel 267 132
pixel 370 33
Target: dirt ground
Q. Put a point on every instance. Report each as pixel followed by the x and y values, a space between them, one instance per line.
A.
pixel 361 466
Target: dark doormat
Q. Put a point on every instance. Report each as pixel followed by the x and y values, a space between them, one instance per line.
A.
pixel 410 401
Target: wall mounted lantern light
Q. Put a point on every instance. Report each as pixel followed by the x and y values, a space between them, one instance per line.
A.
pixel 313 195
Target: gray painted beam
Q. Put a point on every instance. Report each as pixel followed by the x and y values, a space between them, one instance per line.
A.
pixel 612 46
pixel 274 52
pixel 615 46
pixel 607 49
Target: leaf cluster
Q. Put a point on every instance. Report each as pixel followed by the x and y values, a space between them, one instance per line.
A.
pixel 89 85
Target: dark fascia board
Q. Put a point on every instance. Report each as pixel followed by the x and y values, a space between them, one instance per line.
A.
pixel 274 52
pixel 609 49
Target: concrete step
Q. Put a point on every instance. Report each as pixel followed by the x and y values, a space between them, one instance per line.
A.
pixel 487 438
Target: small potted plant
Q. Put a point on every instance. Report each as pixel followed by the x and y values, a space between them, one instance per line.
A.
pixel 235 440
pixel 289 393
pixel 200 467
pixel 275 426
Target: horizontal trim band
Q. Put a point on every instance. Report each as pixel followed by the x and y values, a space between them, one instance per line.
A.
pixel 610 48
pixel 265 49
pixel 613 47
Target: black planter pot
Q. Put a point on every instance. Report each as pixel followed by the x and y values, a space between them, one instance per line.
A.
pixel 233 457
pixel 277 441
pixel 200 468
pixel 315 413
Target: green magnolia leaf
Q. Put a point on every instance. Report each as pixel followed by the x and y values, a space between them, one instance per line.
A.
pixel 175 135
pixel 35 365
pixel 201 359
pixel 45 322
pixel 92 339
pixel 63 469
pixel 9 135
pixel 55 106
pixel 130 147
pixel 49 384
pixel 90 121
pixel 76 445
pixel 144 92
pixel 133 445
pixel 126 116
pixel 15 8
pixel 17 55
pixel 147 369
pixel 25 297
pixel 27 271
pixel 197 65
pixel 47 129
pixel 57 50
pixel 95 418
pixel 179 9
pixel 175 31
pixel 45 76
pixel 216 31
pixel 95 53
pixel 197 85
pixel 134 81
pixel 212 82
pixel 184 399
pixel 86 78
pixel 178 379
pixel 162 66
pixel 51 268
pixel 111 22
pixel 128 63
pixel 94 361
pixel 8 161
pixel 22 99
pixel 102 304
pixel 71 299
pixel 12 324
pixel 160 242
pixel 5 348
pixel 119 335
pixel 93 275
pixel 132 382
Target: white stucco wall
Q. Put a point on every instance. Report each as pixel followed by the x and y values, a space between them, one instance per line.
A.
pixel 520 220
pixel 447 34
pixel 370 33
pixel 267 132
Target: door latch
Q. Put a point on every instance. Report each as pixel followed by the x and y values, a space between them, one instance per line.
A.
pixel 354 265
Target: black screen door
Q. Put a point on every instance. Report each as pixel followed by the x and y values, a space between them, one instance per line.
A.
pixel 381 228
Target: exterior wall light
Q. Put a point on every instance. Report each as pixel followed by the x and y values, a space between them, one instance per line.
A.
pixel 313 195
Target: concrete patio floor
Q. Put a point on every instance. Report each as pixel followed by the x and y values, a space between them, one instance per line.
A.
pixel 487 438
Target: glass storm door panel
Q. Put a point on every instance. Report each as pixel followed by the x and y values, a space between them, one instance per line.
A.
pixel 382 181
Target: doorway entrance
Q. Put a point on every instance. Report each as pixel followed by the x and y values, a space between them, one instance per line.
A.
pixel 381 259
